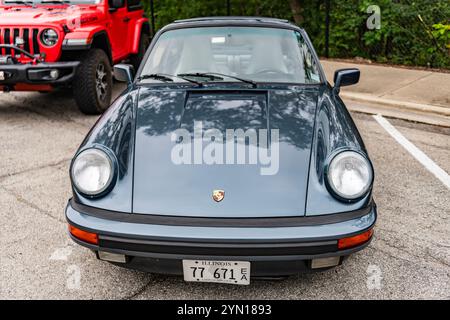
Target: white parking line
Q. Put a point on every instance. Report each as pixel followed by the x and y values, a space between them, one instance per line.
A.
pixel 429 164
pixel 62 254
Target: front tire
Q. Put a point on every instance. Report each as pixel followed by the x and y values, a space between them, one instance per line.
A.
pixel 136 59
pixel 92 85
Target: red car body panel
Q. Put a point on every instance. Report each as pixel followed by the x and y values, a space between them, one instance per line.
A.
pixel 123 27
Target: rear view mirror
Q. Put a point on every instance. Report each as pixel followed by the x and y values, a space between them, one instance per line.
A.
pixel 124 73
pixel 345 77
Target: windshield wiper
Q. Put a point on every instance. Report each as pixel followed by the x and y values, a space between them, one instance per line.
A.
pixel 166 78
pixel 200 75
pixel 19 2
pixel 253 83
pixel 218 76
pixel 155 76
pixel 56 1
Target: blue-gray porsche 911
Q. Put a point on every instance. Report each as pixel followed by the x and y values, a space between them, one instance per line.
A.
pixel 228 157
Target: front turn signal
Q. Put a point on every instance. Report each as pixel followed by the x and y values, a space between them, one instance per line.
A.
pixel 350 242
pixel 83 235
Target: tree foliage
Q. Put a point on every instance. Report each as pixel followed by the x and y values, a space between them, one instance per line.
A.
pixel 412 32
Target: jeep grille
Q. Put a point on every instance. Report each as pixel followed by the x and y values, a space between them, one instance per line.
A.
pixel 29 36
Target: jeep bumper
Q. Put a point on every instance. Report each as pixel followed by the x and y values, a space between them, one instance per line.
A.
pixel 55 73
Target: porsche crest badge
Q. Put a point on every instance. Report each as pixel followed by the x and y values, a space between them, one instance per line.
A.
pixel 218 195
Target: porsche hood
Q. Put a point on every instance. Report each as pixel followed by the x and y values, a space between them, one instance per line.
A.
pixel 223 153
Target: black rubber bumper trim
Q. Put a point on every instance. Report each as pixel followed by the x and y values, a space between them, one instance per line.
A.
pixel 222 249
pixel 18 73
pixel 218 254
pixel 221 222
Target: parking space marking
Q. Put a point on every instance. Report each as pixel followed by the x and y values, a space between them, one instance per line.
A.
pixel 62 254
pixel 429 164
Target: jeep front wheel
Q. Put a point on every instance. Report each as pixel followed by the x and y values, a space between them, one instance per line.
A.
pixel 92 85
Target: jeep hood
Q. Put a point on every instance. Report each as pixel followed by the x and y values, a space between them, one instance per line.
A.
pixel 163 187
pixel 67 15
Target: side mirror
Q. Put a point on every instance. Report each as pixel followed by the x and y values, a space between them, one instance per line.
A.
pixel 116 4
pixel 124 73
pixel 345 77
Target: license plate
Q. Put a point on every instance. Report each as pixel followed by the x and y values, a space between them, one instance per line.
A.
pixel 231 272
pixel 2 75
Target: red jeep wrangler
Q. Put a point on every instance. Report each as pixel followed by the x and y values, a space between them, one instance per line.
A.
pixel 51 43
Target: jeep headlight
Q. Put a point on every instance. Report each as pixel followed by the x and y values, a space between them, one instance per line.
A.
pixel 350 175
pixel 92 172
pixel 49 37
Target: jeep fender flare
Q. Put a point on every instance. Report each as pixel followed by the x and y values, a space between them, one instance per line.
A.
pixel 142 27
pixel 100 40
pixel 95 38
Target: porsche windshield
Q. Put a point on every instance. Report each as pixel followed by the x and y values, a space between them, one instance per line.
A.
pixel 252 53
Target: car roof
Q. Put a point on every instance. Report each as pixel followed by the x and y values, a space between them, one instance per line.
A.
pixel 224 18
pixel 232 20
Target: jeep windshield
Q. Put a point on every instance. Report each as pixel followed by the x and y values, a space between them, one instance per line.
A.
pixel 230 54
pixel 48 2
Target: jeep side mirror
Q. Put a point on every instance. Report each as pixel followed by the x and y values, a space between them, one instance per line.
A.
pixel 124 73
pixel 116 4
pixel 345 77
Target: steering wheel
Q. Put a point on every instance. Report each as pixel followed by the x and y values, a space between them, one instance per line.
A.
pixel 195 71
pixel 269 71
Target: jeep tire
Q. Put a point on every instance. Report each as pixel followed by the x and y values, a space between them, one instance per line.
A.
pixel 136 59
pixel 92 86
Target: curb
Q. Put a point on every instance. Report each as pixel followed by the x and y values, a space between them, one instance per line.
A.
pixel 389 112
pixel 404 105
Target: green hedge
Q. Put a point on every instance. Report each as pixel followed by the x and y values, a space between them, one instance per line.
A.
pixel 412 32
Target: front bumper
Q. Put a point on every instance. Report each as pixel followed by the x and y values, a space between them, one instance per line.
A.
pixel 37 74
pixel 272 251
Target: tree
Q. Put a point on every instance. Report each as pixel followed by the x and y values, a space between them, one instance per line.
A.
pixel 297 11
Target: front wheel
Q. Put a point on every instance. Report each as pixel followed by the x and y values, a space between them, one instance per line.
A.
pixel 136 59
pixel 92 85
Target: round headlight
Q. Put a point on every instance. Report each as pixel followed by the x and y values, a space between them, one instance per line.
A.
pixel 49 37
pixel 92 171
pixel 350 175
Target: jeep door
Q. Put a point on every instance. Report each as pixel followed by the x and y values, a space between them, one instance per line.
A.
pixel 119 32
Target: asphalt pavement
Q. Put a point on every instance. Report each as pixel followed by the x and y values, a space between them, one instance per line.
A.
pixel 409 257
